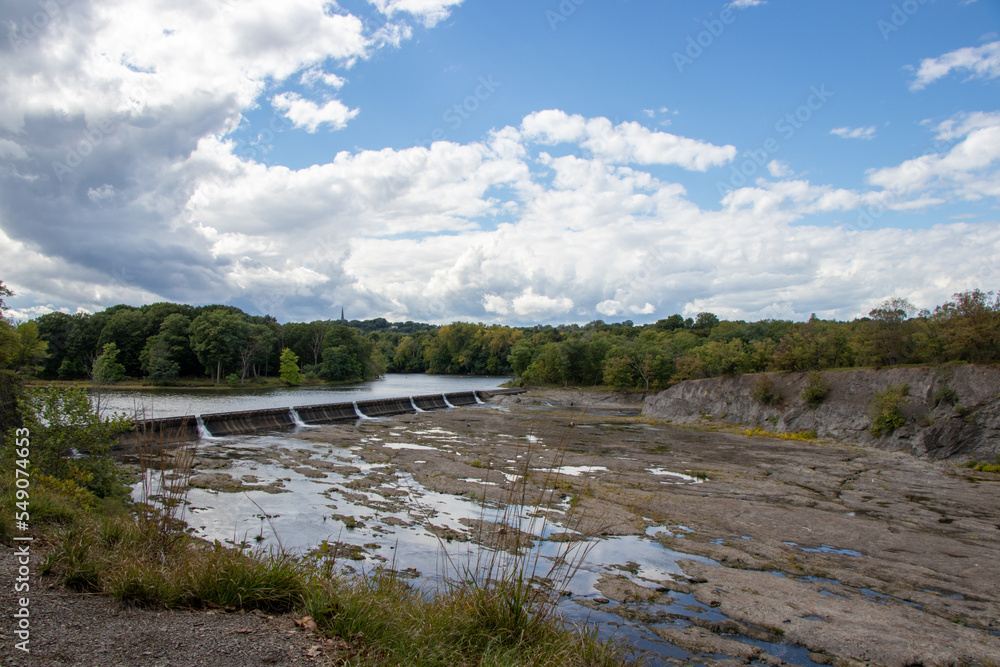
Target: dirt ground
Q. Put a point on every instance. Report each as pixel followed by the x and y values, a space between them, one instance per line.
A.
pixel 68 628
pixel 861 556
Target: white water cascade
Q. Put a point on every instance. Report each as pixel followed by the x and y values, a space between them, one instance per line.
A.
pixel 203 432
pixel 298 419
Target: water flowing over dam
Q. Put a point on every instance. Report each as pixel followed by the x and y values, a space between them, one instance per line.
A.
pixel 213 425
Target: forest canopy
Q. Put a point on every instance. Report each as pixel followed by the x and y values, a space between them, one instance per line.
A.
pixel 166 342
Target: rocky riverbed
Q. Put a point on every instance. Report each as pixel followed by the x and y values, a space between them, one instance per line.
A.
pixel 810 552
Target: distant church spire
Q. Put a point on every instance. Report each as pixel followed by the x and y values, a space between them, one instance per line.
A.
pixel 342 314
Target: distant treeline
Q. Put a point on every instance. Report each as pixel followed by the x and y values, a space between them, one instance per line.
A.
pixel 164 341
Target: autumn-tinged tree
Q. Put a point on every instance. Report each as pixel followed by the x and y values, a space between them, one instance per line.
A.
pixel 970 326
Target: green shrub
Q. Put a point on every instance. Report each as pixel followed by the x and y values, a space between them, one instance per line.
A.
pixel 233 380
pixel 764 391
pixel 816 389
pixel 945 394
pixel 885 410
pixel 71 440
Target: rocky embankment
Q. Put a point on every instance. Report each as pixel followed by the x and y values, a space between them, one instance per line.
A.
pixel 950 410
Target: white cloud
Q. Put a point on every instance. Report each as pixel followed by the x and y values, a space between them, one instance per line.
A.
pixel 968 168
pixel 306 114
pixel 627 142
pixel 867 132
pixel 779 169
pixel 429 12
pixel 746 4
pixel 162 208
pixel 100 194
pixel 11 150
pixel 982 62
pixel 315 75
pixel 120 59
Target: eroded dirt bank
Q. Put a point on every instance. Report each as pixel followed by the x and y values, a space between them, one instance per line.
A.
pixel 949 410
pixel 858 554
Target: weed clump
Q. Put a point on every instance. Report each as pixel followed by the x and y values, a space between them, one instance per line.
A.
pixel 765 392
pixel 797 435
pixel 945 394
pixel 985 466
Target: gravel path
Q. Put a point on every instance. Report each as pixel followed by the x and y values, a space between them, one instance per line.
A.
pixel 73 629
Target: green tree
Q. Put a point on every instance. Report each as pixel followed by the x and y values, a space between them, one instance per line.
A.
pixel 969 326
pixel 671 323
pixel 158 361
pixel 29 349
pixel 55 328
pixel 168 353
pixel 339 365
pixel 889 343
pixel 106 368
pixel 217 335
pixel 256 348
pixel 4 292
pixel 125 328
pixel 290 367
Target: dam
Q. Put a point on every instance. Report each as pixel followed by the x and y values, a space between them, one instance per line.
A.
pixel 189 428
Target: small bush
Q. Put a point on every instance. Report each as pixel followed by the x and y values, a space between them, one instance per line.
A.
pixel 945 394
pixel 885 410
pixel 816 389
pixel 233 380
pixel 764 391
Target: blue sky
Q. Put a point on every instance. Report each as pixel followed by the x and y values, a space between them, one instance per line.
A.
pixel 515 162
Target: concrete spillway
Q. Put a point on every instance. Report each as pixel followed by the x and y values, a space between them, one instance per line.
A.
pixel 157 431
pixel 462 398
pixel 385 407
pixel 430 402
pixel 249 421
pixel 330 413
pixel 187 428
